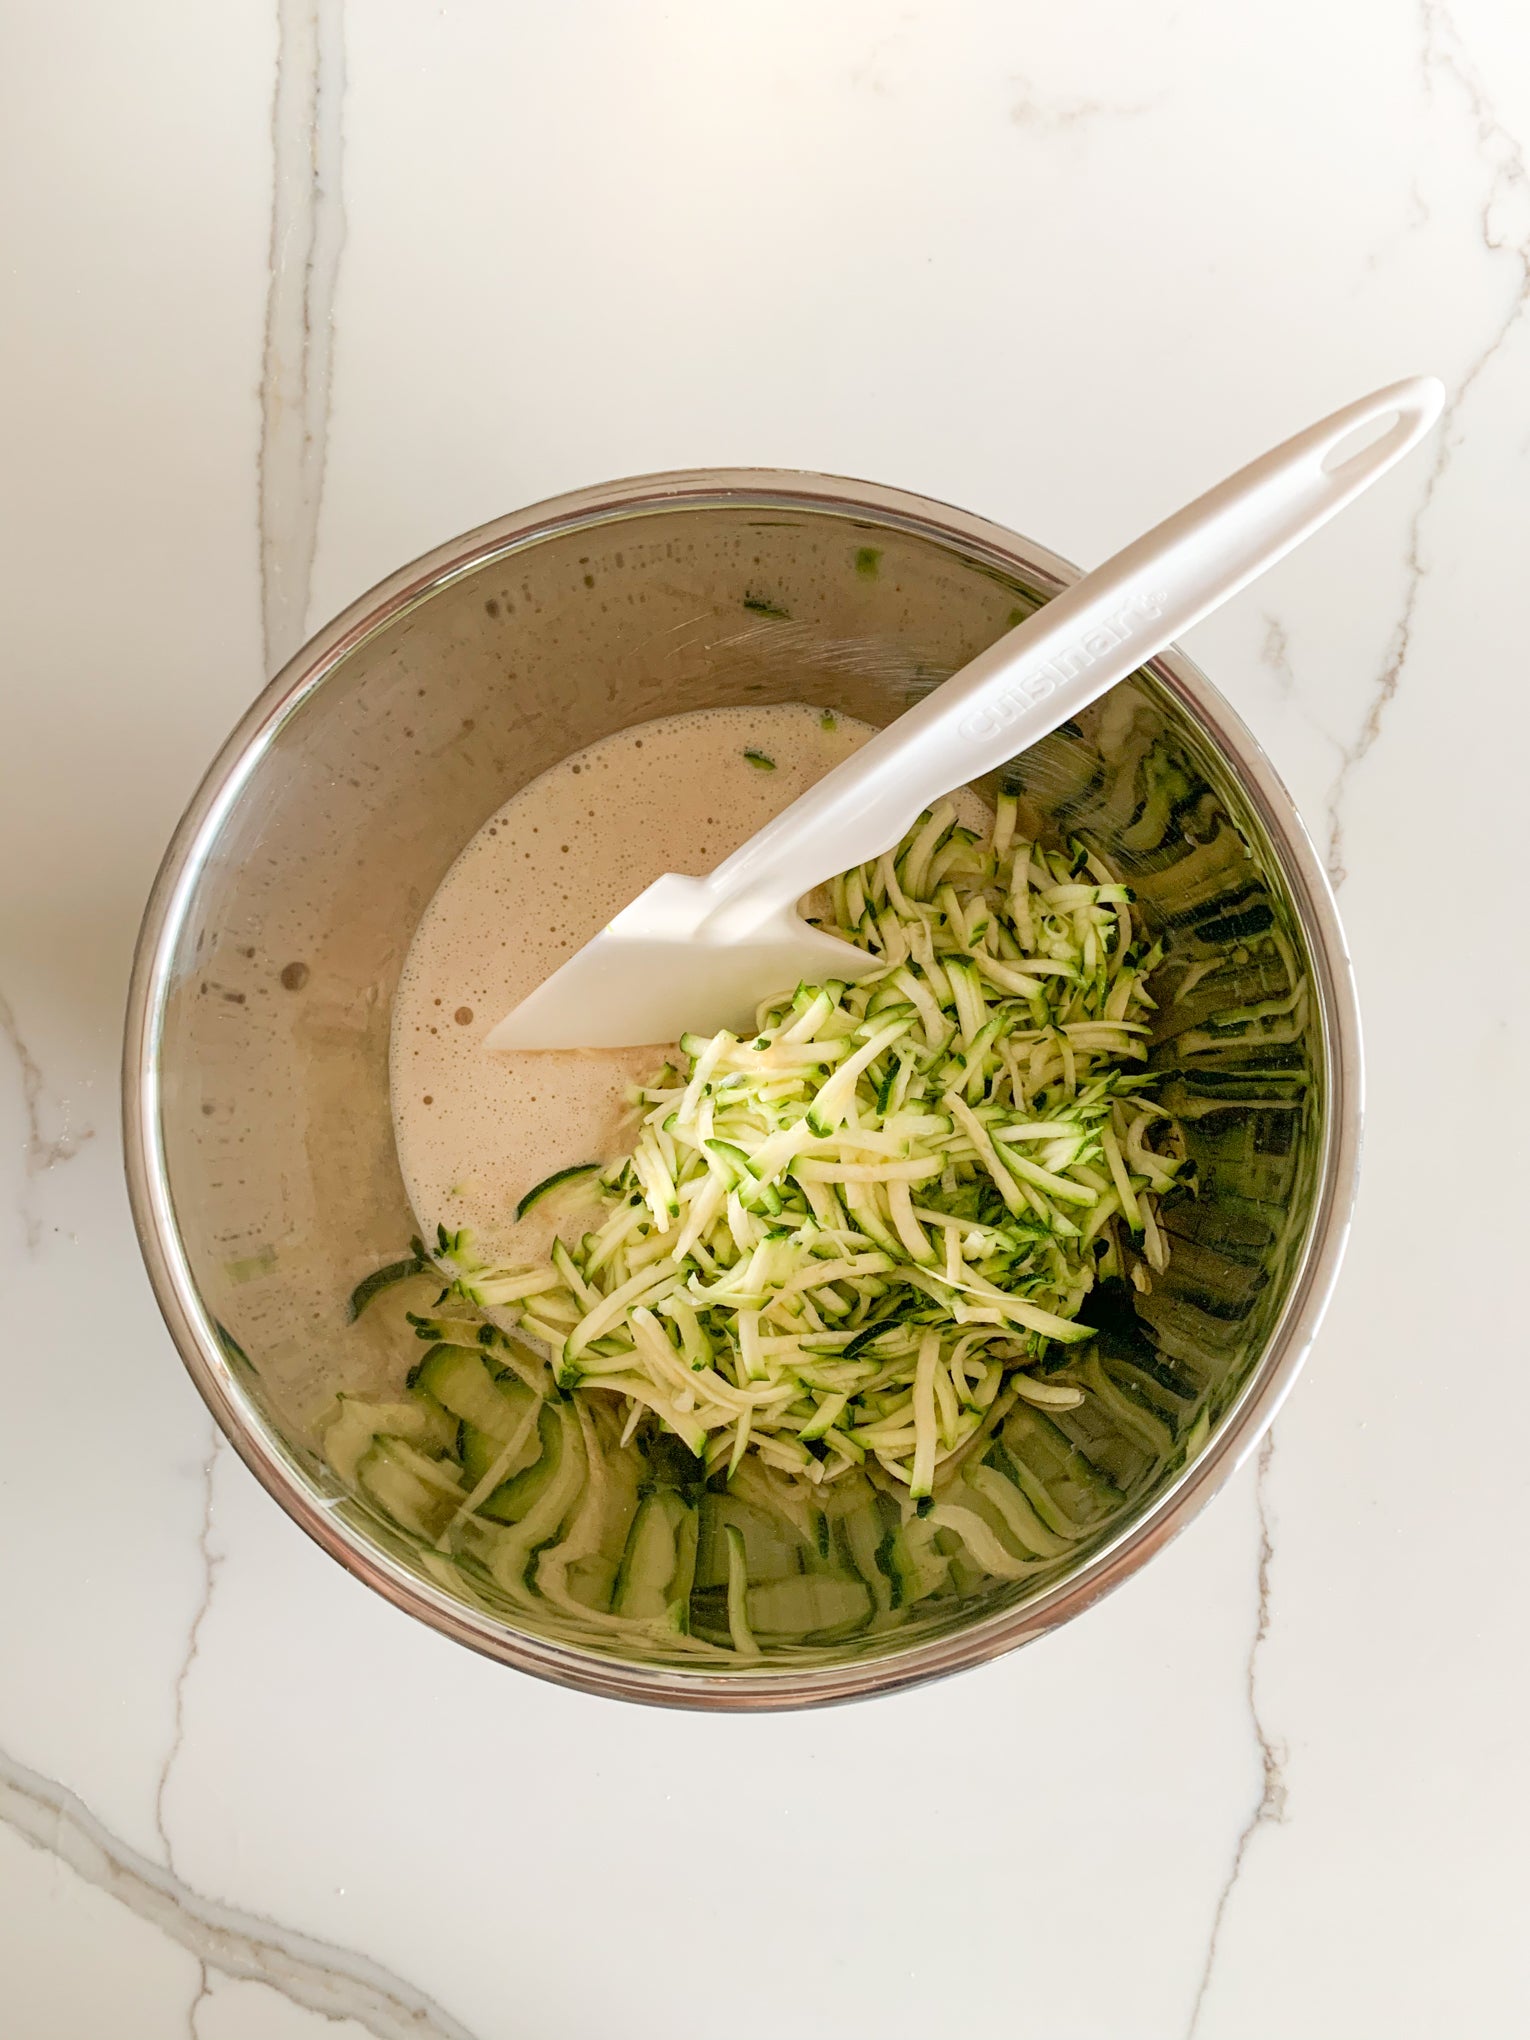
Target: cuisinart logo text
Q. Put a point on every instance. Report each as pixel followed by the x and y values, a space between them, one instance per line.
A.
pixel 1008 707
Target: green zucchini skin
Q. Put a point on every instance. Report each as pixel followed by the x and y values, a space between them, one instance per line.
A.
pixel 852 1334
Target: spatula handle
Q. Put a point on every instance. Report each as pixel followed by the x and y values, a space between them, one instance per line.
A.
pixel 1074 648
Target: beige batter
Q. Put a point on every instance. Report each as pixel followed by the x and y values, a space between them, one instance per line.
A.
pixel 475 1131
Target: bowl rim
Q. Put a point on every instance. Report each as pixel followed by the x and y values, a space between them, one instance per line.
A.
pixel 277 1467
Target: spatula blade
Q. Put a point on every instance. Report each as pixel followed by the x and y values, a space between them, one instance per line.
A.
pixel 656 972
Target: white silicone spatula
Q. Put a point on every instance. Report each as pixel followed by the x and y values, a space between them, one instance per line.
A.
pixel 701 953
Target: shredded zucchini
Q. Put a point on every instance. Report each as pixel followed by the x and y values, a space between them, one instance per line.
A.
pixel 850 1254
pixel 840 1240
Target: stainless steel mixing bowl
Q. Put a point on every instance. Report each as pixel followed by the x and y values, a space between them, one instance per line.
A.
pixel 259 1147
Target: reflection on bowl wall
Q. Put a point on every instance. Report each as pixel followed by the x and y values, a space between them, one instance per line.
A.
pixel 259 1136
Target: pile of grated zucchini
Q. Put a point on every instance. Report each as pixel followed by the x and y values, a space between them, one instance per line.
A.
pixel 856 1237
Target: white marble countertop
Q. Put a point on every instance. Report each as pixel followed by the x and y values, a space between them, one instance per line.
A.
pixel 1062 265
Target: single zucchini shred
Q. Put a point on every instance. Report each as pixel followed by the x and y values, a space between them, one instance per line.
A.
pixel 560 1179
pixel 417 1262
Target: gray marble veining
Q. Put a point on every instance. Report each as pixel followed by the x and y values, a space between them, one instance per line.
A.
pixel 222 1938
pixel 1449 72
pixel 307 238
pixel 49 1138
pixel 1270 1805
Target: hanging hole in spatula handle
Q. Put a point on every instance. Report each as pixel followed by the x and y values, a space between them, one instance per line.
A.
pixel 1381 428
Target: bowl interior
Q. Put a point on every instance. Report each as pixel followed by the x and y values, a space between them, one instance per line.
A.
pixel 284 943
